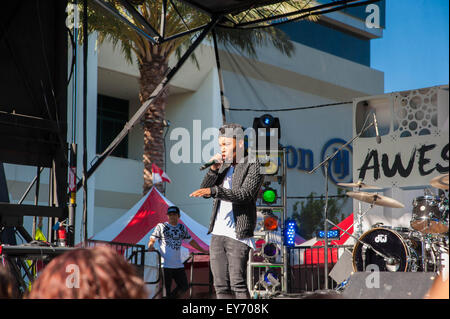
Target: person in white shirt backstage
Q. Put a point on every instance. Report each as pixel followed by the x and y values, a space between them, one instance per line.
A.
pixel 170 236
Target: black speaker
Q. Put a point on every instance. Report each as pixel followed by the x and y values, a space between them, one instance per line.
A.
pixel 33 95
pixel 33 82
pixel 388 285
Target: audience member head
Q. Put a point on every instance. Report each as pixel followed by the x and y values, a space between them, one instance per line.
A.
pixel 8 284
pixel 88 273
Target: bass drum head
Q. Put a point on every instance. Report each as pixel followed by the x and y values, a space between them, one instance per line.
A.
pixel 385 241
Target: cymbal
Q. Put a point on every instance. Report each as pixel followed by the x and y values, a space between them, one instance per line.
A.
pixel 358 184
pixel 440 182
pixel 375 199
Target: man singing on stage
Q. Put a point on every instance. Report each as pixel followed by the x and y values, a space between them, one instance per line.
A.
pixel 233 181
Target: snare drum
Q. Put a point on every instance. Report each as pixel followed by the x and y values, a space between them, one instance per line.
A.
pixel 429 215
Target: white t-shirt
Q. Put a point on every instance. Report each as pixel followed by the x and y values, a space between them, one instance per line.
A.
pixel 225 224
pixel 170 239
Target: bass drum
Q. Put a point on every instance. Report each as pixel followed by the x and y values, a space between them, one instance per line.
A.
pixel 406 251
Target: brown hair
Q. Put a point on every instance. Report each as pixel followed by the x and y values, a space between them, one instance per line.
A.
pixel 88 273
pixel 8 284
pixel 233 130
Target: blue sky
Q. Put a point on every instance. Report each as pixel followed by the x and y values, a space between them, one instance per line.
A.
pixel 414 50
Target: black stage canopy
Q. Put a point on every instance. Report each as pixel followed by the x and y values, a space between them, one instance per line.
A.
pixel 229 6
pixel 264 13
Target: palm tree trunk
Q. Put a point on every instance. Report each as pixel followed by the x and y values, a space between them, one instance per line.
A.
pixel 152 72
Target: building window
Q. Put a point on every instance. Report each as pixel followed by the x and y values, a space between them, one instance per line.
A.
pixel 112 114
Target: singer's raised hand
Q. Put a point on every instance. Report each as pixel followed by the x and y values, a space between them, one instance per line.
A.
pixel 201 192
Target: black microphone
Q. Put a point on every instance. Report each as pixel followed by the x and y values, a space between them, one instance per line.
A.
pixel 375 123
pixel 208 164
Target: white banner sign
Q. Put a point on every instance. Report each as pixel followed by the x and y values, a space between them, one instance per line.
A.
pixel 414 131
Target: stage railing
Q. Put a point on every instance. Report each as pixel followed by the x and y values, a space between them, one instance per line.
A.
pixel 193 283
pixel 306 269
pixel 135 254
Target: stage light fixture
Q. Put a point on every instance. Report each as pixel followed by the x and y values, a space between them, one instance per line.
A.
pixel 266 120
pixel 270 250
pixel 270 221
pixel 267 126
pixel 289 232
pixel 269 195
pixel 332 234
pixel 271 278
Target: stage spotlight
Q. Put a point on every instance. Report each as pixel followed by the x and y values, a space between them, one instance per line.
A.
pixel 271 279
pixel 270 221
pixel 270 251
pixel 289 232
pixel 268 127
pixel 332 234
pixel 267 133
pixel 266 120
pixel 269 195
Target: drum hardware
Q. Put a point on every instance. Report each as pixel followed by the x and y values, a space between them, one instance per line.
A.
pixel 377 225
pixel 363 254
pixel 400 229
pixel 413 262
pixel 390 260
pixel 359 221
pixel 372 199
pixel 360 185
pixel 437 245
pixel 408 250
pixel 440 182
pixel 424 259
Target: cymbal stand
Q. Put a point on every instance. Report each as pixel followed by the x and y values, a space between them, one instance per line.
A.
pixel 360 216
pixel 438 249
pixel 326 163
pixel 424 257
pixel 359 231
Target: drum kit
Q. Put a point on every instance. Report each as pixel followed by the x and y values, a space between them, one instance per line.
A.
pixel 421 247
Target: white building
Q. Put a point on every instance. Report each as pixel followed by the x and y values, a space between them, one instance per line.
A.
pixel 331 64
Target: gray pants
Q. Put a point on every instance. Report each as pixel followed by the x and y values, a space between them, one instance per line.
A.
pixel 228 258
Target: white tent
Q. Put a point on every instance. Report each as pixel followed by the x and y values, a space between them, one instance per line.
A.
pixel 136 226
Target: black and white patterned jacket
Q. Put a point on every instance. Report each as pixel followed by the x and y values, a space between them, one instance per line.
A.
pixel 245 185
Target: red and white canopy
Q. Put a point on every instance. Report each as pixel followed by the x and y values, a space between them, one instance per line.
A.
pixel 136 225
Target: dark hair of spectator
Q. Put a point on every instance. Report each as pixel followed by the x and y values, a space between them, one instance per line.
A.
pixel 8 284
pixel 88 273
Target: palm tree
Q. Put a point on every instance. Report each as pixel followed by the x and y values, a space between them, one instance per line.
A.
pixel 152 59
